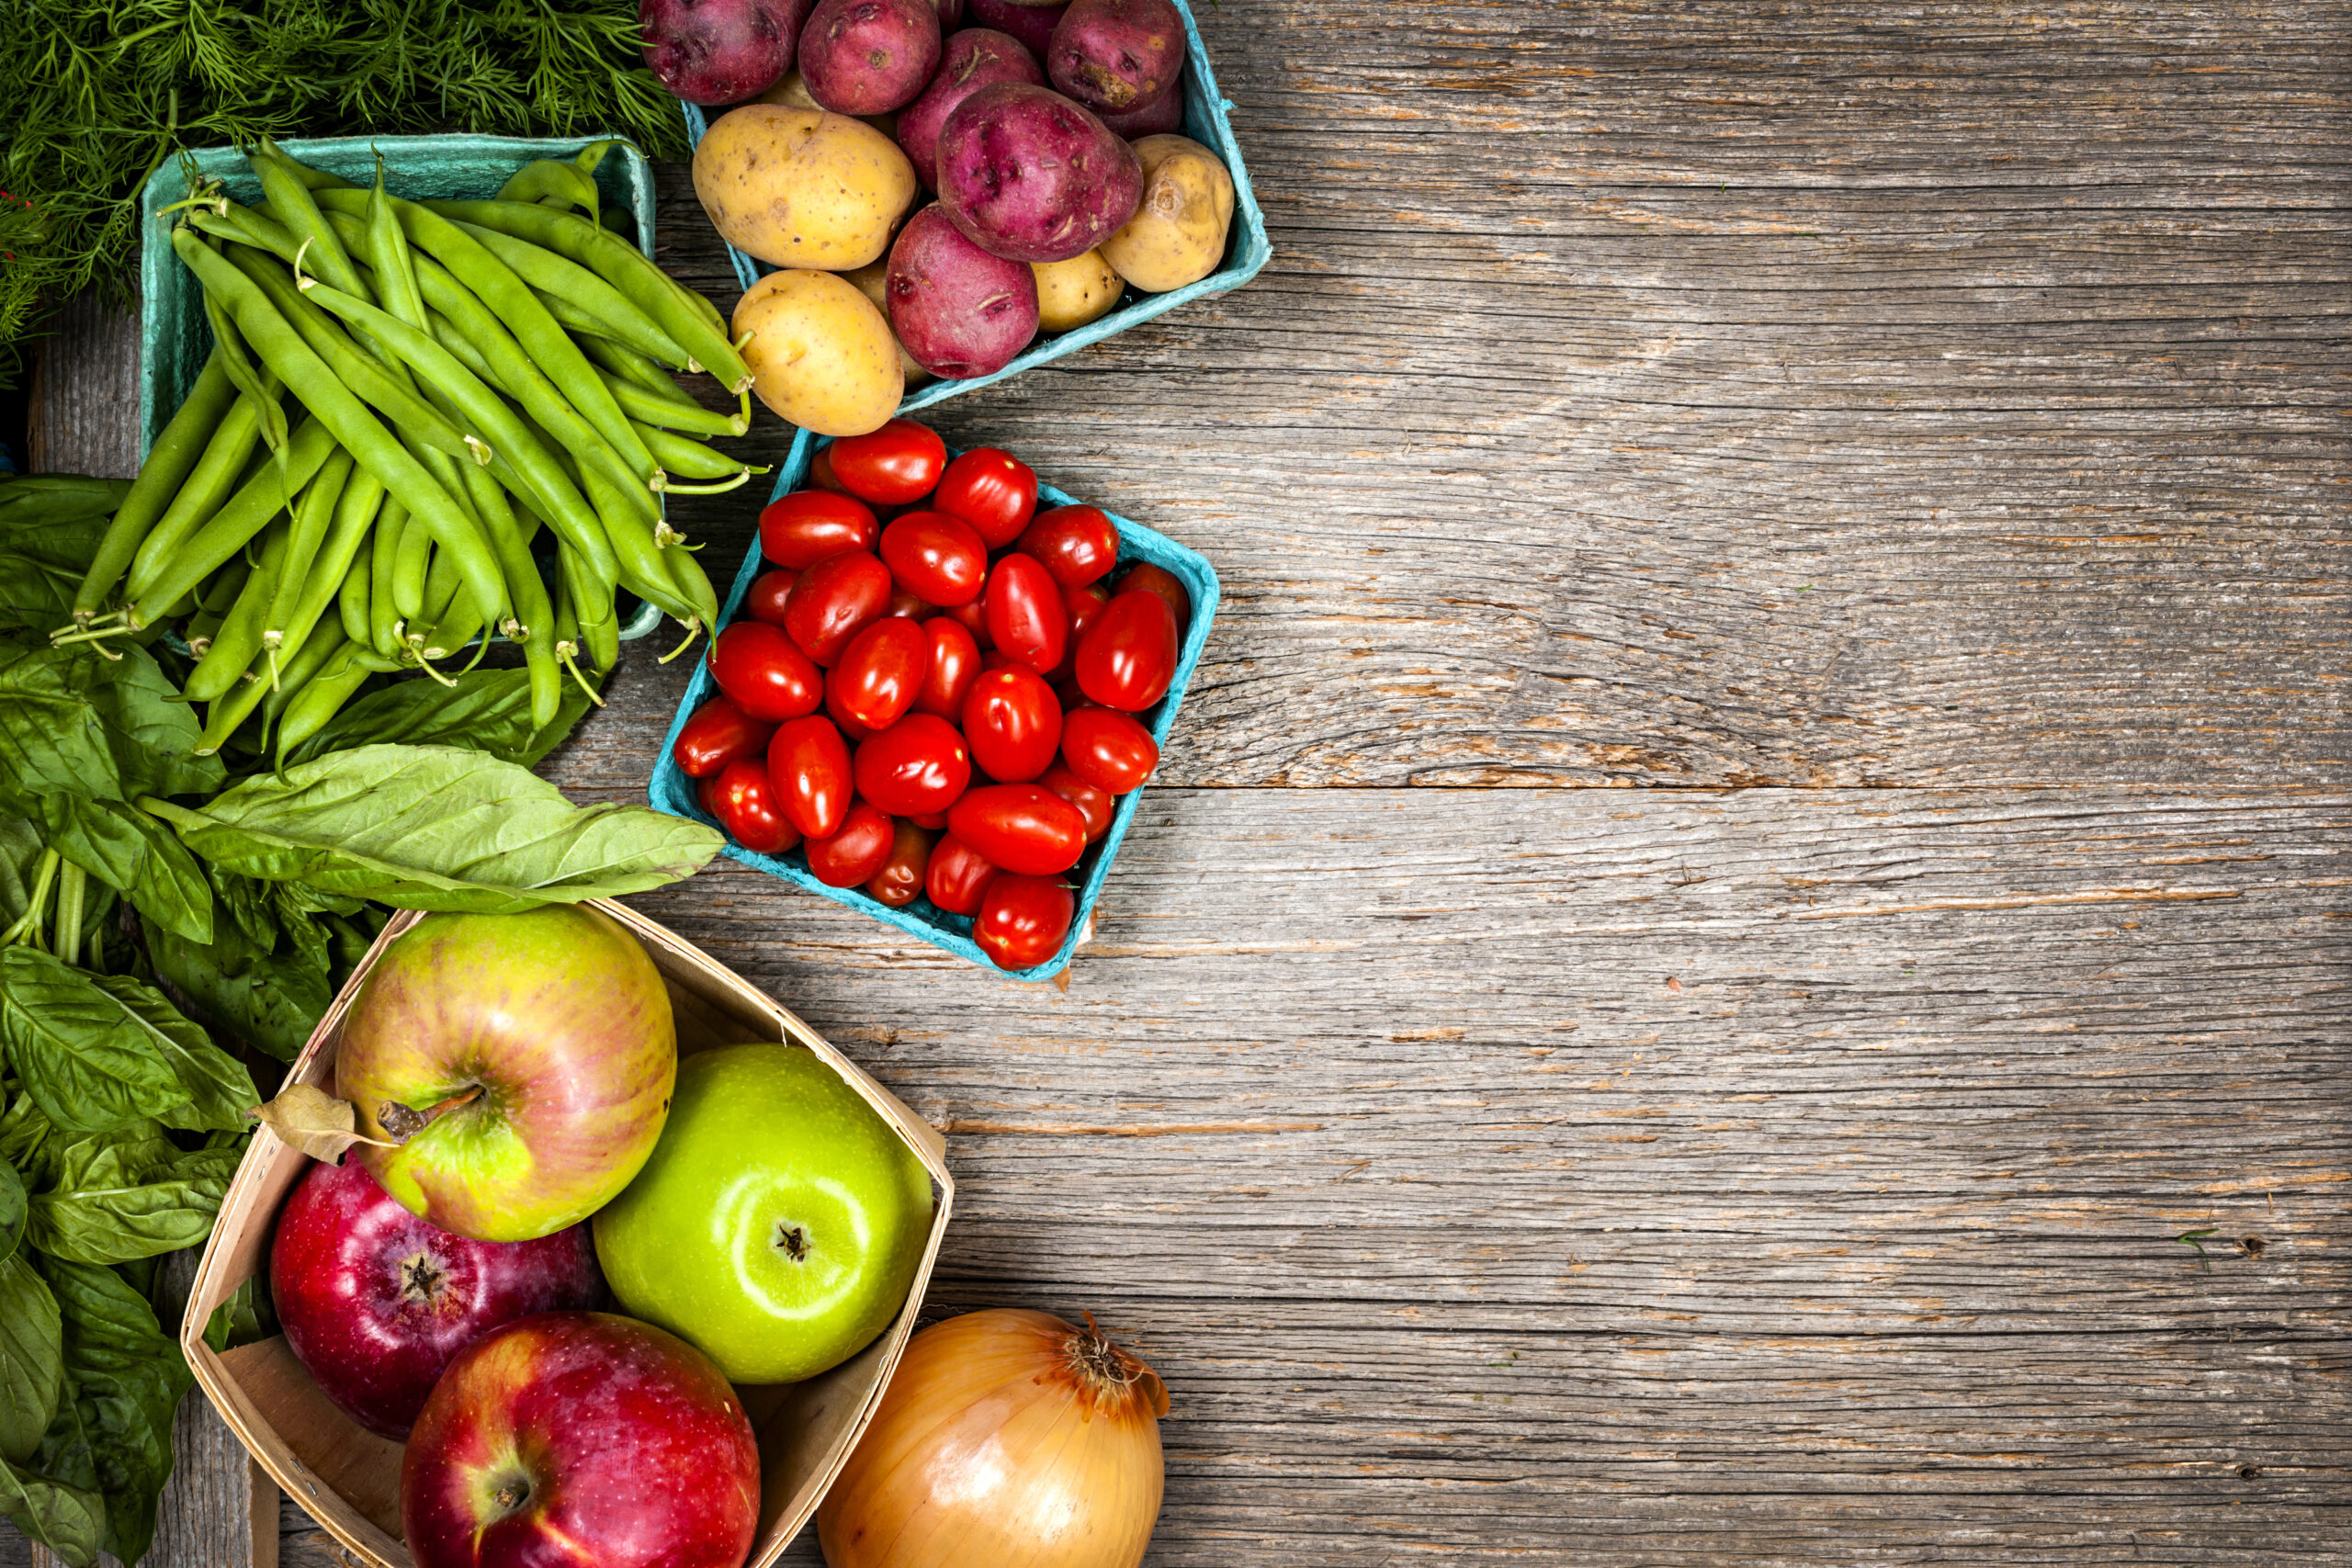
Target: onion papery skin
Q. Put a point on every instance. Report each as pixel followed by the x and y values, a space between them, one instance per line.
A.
pixel 993 1446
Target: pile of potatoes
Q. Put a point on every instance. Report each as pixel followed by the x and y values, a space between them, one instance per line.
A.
pixel 1042 210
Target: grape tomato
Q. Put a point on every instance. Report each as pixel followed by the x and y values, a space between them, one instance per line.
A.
pixel 835 600
pixel 719 733
pixel 899 463
pixel 1108 749
pixel 1076 544
pixel 917 767
pixel 880 672
pixel 1094 803
pixel 809 764
pixel 1012 722
pixel 935 556
pixel 1128 656
pixel 1025 615
pixel 746 805
pixel 1023 919
pixel 1161 580
pixel 810 525
pixel 990 489
pixel 955 664
pixel 769 677
pixel 900 881
pixel 765 601
pixel 855 852
pixel 957 877
pixel 1020 827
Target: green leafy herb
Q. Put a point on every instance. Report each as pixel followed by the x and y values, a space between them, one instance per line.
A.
pixel 33 1359
pixel 270 1002
pixel 244 1317
pixel 96 96
pixel 50 526
pixel 435 828
pixel 12 1211
pixel 129 1195
pixel 89 1064
pixel 69 1520
pixel 138 857
pixel 73 723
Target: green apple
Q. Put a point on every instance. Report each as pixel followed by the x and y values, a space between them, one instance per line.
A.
pixel 778 1225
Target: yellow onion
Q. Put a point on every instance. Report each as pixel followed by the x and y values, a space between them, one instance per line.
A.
pixel 1006 1439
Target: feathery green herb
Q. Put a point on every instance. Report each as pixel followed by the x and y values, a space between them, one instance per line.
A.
pixel 98 93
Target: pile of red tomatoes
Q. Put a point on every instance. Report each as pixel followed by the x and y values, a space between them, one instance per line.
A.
pixel 935 692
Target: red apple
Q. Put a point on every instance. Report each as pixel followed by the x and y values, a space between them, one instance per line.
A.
pixel 521 1064
pixel 581 1437
pixel 375 1300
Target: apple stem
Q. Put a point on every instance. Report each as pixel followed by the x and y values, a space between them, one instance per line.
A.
pixel 404 1123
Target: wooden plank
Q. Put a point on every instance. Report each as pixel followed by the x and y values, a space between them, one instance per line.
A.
pixel 83 414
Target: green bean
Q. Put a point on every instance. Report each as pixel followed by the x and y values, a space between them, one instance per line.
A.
pixel 228 715
pixel 246 377
pixel 534 465
pixel 261 498
pixel 289 199
pixel 624 266
pixel 383 616
pixel 534 622
pixel 319 179
pixel 692 458
pixel 170 463
pixel 589 600
pixel 335 405
pixel 581 323
pixel 630 366
pixel 248 226
pixel 559 183
pixel 239 638
pixel 314 514
pixel 227 467
pixel 321 697
pixel 351 599
pixel 392 394
pixel 300 670
pixel 644 571
pixel 567 635
pixel 645 408
pixel 511 301
pixel 304 599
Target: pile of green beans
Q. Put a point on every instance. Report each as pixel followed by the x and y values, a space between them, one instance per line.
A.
pixel 402 398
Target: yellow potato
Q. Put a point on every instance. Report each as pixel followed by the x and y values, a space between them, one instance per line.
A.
pixel 1177 235
pixel 1074 292
pixel 821 355
pixel 801 187
pixel 872 281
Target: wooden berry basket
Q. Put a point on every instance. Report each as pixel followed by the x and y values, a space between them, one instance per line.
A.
pixel 347 1479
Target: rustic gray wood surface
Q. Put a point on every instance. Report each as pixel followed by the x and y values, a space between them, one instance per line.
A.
pixel 1903 447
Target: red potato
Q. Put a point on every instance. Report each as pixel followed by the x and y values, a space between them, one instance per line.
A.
pixel 951 16
pixel 973 59
pixel 1030 176
pixel 1033 25
pixel 1163 116
pixel 957 310
pixel 1115 54
pixel 869 56
pixel 720 52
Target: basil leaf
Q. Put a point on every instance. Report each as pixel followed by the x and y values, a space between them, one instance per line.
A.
pixel 220 1091
pixel 488 710
pixel 271 1004
pixel 91 1066
pixel 12 1211
pixel 124 1378
pixel 69 1520
pixel 131 1199
pixel 436 827
pixel 48 534
pixel 137 856
pixel 28 1141
pixel 20 850
pixel 72 723
pixel 245 1316
pixel 32 1364
pixel 34 500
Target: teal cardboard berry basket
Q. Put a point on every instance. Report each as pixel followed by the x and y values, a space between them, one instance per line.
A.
pixel 1208 121
pixel 672 791
pixel 173 337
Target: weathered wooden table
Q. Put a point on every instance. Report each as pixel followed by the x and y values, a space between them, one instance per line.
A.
pixel 1763 829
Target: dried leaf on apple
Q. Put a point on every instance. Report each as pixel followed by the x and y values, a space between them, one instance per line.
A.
pixel 314 1122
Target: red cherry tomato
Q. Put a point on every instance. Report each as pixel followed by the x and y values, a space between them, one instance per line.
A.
pixel 892 465
pixel 957 877
pixel 918 766
pixel 1094 804
pixel 767 595
pixel 1020 827
pixel 881 671
pixel 935 556
pixel 993 491
pixel 1159 581
pixel 857 852
pixel 1128 655
pixel 768 677
pixel 746 804
pixel 1013 722
pixel 1077 544
pixel 717 734
pixel 1082 604
pixel 810 525
pixel 1108 749
pixel 1023 920
pixel 974 618
pixel 835 600
pixel 954 664
pixel 852 731
pixel 908 607
pixel 809 764
pixel 900 881
pixel 1025 615
pixel 929 822
pixel 821 475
